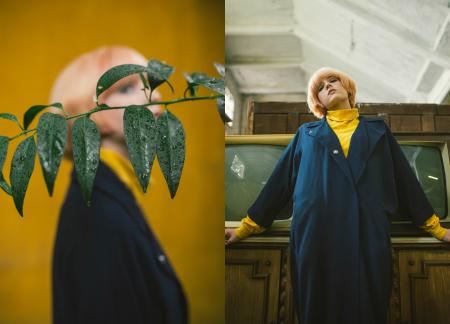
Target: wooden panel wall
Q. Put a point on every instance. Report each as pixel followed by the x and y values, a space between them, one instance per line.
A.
pixel 285 118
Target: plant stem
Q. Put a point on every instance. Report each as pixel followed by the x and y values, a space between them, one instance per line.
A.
pixel 102 108
pixel 22 133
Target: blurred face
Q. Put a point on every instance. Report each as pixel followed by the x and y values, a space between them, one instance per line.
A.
pixel 127 91
pixel 332 94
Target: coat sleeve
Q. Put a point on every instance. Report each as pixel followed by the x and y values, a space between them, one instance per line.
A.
pixel 411 198
pixel 280 185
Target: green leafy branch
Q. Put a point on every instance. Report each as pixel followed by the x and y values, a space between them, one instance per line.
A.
pixel 147 138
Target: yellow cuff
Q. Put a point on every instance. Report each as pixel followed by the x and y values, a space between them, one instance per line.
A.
pixel 433 227
pixel 248 227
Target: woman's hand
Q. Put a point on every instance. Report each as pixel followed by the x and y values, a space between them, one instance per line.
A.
pixel 230 236
pixel 446 237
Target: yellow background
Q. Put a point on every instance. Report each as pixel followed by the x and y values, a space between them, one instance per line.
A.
pixel 38 38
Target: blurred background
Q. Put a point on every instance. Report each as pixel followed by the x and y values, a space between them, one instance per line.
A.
pixel 397 51
pixel 38 38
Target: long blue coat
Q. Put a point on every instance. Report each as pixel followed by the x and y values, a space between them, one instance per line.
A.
pixel 340 239
pixel 108 267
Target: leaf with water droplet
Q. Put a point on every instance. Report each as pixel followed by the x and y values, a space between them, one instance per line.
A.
pixel 170 149
pixel 201 79
pixel 51 142
pixel 116 73
pixel 140 136
pixel 193 80
pixel 4 142
pixel 22 166
pixel 86 151
pixel 214 84
pixel 158 73
pixel 144 81
pixel 34 110
pixel 221 110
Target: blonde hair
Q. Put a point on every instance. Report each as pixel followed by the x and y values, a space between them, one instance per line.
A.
pixel 75 86
pixel 313 89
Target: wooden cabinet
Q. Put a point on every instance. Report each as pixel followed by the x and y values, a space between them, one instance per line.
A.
pixel 421 287
pixel 258 288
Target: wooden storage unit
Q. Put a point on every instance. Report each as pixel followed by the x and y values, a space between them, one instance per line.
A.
pixel 285 118
pixel 421 287
pixel 258 288
pixel 257 281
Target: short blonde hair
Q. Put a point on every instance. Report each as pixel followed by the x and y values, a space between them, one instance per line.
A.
pixel 313 89
pixel 76 84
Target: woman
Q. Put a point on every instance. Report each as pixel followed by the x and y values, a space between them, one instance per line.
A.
pixel 347 177
pixel 108 266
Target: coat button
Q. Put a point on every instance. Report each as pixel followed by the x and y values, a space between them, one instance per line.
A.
pixel 310 132
pixel 162 258
pixel 335 151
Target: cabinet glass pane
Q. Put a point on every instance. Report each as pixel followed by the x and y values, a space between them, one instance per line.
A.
pixel 247 168
pixel 426 163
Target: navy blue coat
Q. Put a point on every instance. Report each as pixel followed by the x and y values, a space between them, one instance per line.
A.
pixel 340 232
pixel 108 266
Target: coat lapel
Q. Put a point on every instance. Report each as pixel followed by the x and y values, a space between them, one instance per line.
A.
pixel 325 135
pixel 107 182
pixel 362 144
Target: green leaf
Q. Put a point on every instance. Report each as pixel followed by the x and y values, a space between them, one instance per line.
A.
pixel 214 84
pixel 22 166
pixel 86 151
pixel 11 117
pixel 144 81
pixel 220 68
pixel 51 142
pixel 4 185
pixel 34 110
pixel 115 74
pixel 57 105
pixel 201 79
pixel 196 77
pixel 193 80
pixel 221 110
pixel 170 149
pixel 140 135
pixel 158 73
pixel 4 142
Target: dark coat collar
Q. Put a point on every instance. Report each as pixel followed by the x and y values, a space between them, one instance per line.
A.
pixel 109 184
pixel 362 144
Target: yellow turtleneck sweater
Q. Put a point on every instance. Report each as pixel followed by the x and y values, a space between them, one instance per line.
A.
pixel 123 169
pixel 343 122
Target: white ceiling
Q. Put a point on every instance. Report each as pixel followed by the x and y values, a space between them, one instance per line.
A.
pixel 396 50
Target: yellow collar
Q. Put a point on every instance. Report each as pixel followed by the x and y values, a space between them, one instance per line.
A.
pixel 124 170
pixel 342 115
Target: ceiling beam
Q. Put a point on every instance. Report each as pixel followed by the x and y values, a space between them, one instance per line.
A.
pixel 322 43
pixel 441 89
pixel 406 38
